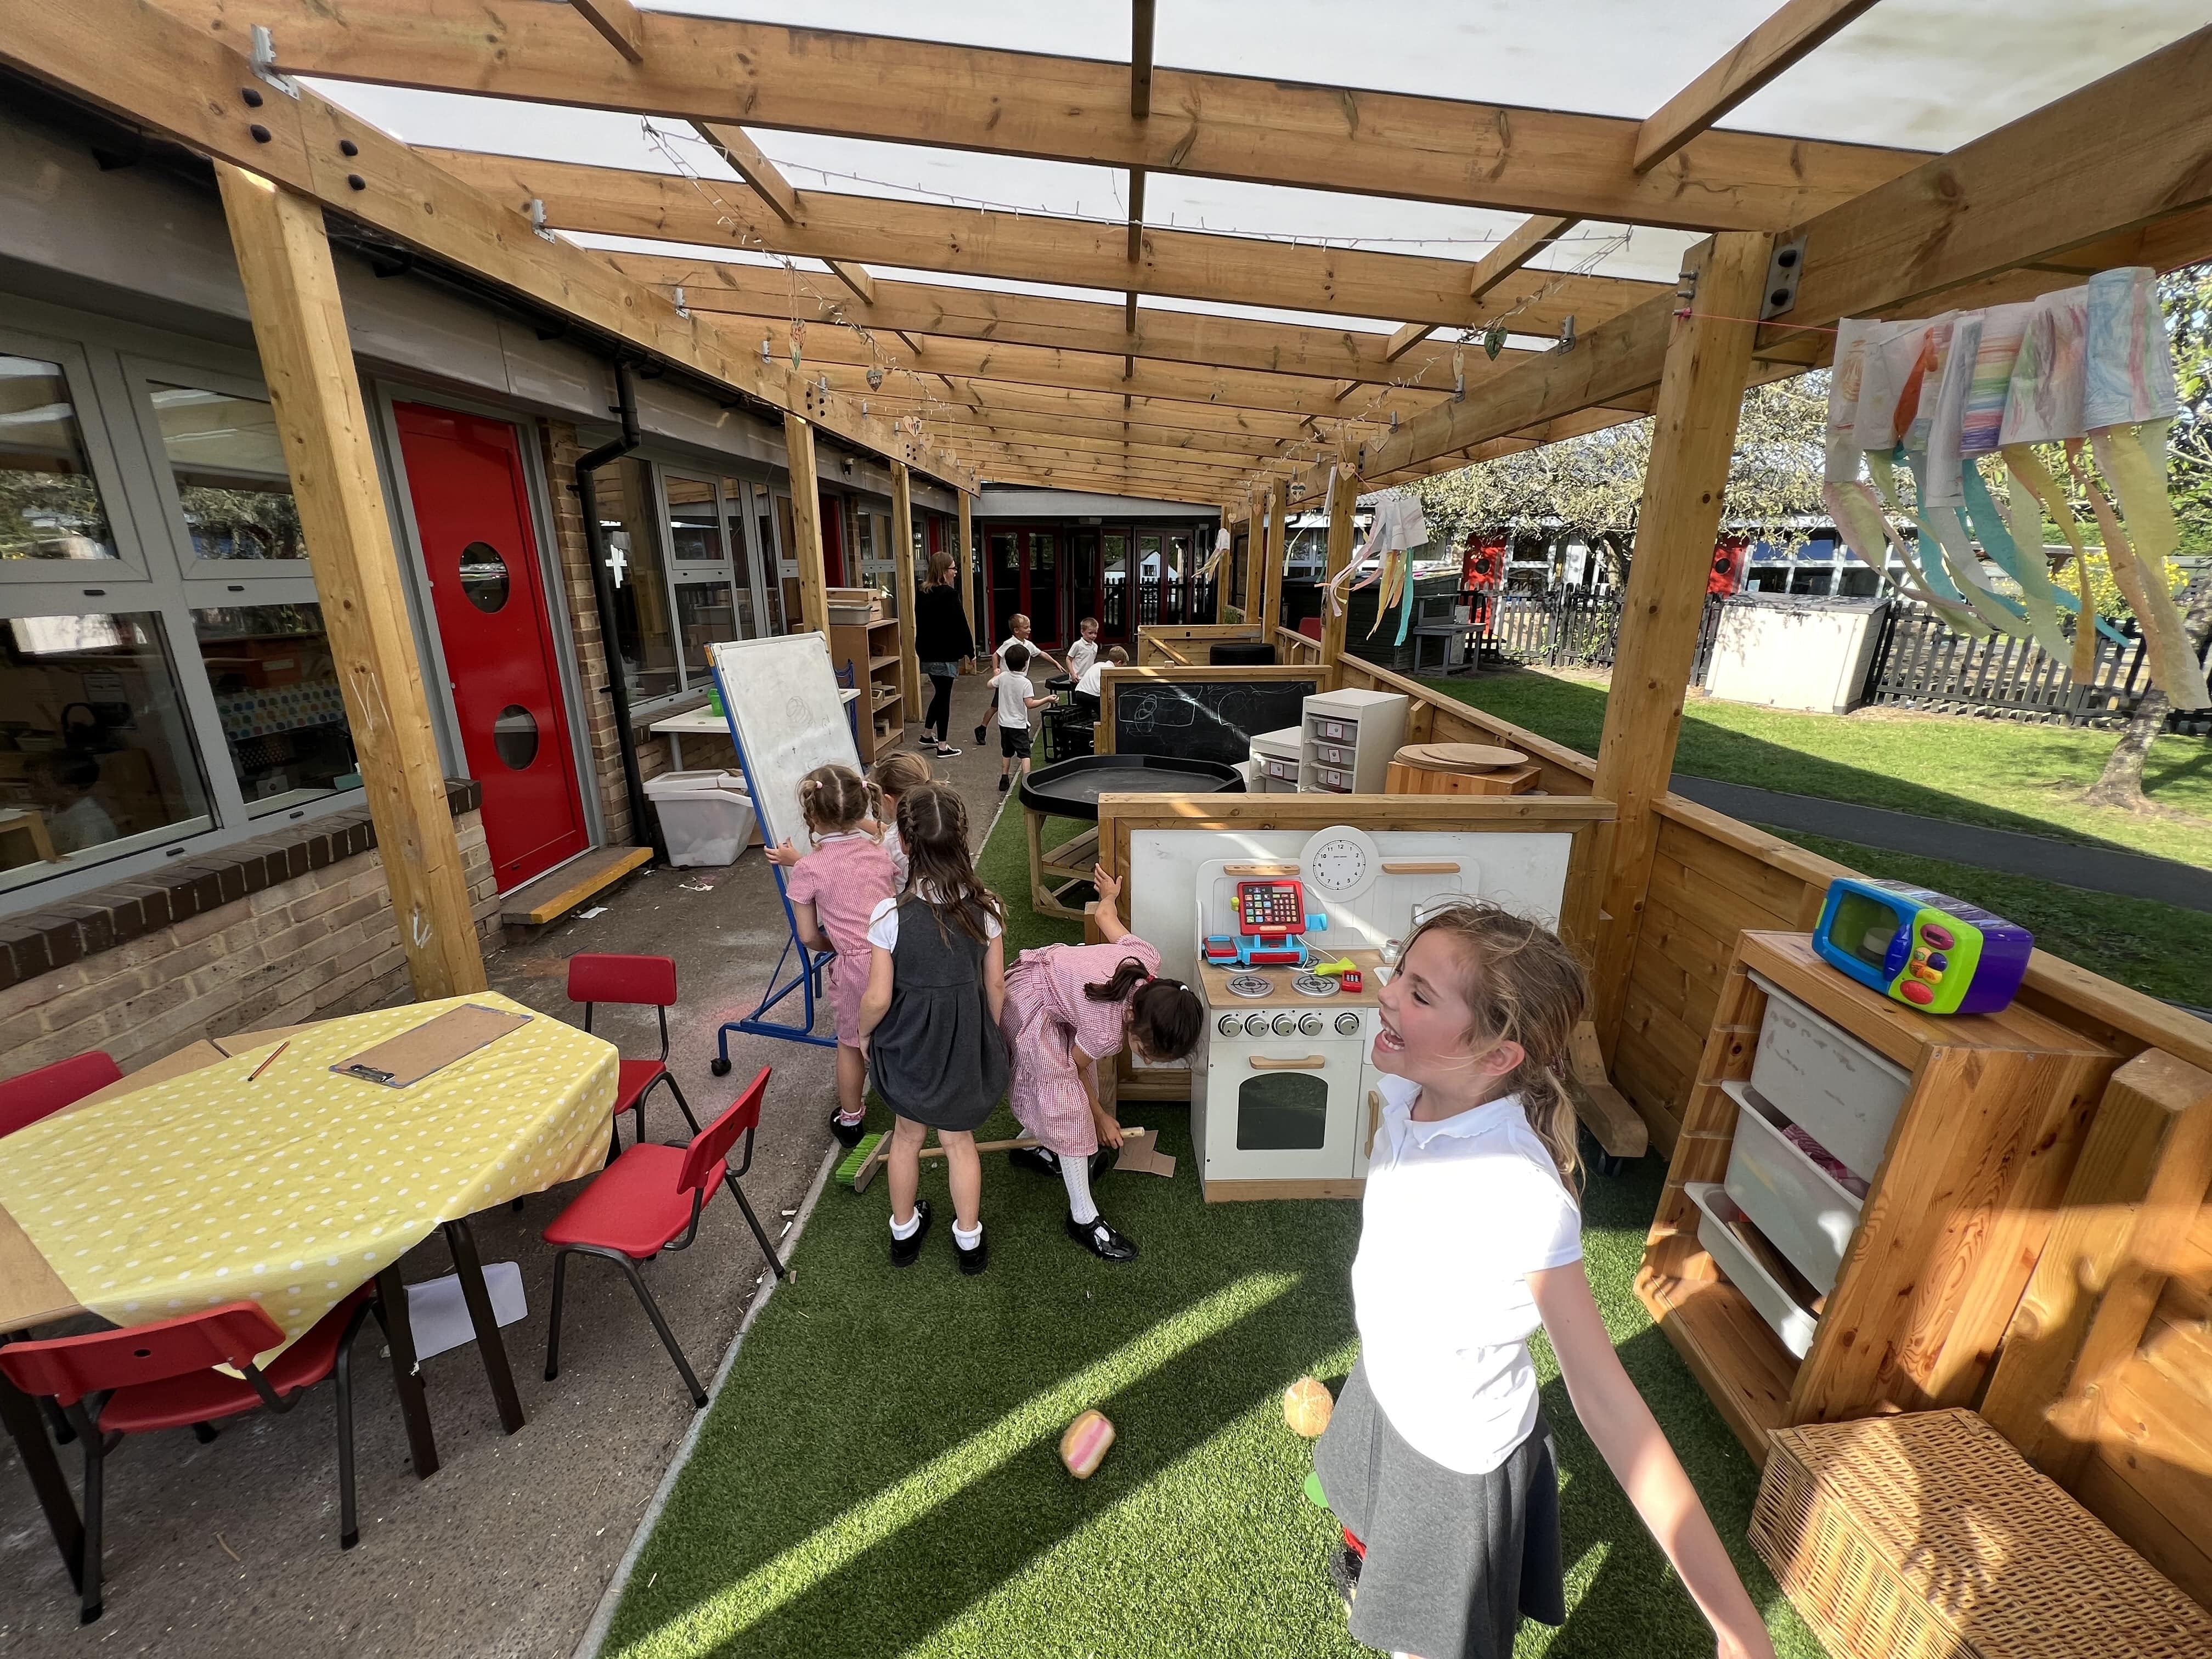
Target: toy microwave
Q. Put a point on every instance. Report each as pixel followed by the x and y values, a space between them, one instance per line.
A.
pixel 1940 954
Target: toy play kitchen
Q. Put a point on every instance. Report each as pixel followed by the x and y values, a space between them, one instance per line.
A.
pixel 1280 1097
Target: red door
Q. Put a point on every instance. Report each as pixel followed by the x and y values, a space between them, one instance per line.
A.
pixel 464 475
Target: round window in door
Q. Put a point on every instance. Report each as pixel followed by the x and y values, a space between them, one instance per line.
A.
pixel 515 735
pixel 1282 1112
pixel 484 576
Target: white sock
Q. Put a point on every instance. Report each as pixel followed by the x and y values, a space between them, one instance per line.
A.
pixel 854 1117
pixel 966 1240
pixel 913 1226
pixel 1076 1172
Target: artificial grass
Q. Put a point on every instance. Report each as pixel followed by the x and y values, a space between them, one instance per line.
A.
pixel 879 1476
pixel 1999 774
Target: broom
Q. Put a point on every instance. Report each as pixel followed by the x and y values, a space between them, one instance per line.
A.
pixel 859 1166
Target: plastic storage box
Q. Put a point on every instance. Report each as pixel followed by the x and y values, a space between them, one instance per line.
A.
pixel 706 817
pixel 1793 1324
pixel 1821 1077
pixel 1803 1210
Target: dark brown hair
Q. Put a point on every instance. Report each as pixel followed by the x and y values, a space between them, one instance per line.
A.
pixel 940 569
pixel 1016 658
pixel 1525 987
pixel 1165 1017
pixel 834 799
pixel 933 822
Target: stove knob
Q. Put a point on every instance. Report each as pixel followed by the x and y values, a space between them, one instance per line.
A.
pixel 1231 1025
pixel 1347 1023
pixel 1285 1024
pixel 1255 1025
pixel 1309 1024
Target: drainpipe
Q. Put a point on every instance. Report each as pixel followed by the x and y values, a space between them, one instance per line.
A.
pixel 642 832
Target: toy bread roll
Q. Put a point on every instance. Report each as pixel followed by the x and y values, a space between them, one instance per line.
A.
pixel 1307 1406
pixel 1082 1445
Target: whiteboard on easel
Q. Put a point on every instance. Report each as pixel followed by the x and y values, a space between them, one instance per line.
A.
pixel 787 716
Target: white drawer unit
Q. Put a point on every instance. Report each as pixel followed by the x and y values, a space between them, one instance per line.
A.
pixel 1820 1076
pixel 1805 1212
pixel 1795 1325
pixel 1347 740
pixel 1276 754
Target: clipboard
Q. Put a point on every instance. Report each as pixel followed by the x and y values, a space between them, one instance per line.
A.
pixel 434 1044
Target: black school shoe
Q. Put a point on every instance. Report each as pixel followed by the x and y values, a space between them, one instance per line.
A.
pixel 973 1261
pixel 904 1250
pixel 1343 1573
pixel 980 730
pixel 847 1135
pixel 1100 1240
pixel 1042 1160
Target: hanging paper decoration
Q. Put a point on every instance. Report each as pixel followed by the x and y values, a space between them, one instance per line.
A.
pixel 1222 544
pixel 2085 366
pixel 1400 526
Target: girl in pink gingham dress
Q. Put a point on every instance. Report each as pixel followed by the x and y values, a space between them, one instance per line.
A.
pixel 832 890
pixel 1069 1007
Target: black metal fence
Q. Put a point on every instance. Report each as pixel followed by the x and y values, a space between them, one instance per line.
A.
pixel 1572 628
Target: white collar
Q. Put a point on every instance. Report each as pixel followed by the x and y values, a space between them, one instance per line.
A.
pixel 1466 1125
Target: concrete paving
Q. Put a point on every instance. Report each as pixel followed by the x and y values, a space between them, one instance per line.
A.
pixel 231 1548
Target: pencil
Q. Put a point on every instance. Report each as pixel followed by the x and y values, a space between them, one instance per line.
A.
pixel 271 1060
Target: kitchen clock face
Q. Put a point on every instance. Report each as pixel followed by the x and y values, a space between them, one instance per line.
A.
pixel 1342 862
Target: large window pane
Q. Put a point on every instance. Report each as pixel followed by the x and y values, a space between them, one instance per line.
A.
pixel 705 613
pixel 645 637
pixel 693 530
pixel 229 468
pixel 277 686
pixel 95 747
pixel 49 507
pixel 750 624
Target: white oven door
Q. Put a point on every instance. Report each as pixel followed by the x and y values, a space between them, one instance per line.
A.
pixel 1282 1111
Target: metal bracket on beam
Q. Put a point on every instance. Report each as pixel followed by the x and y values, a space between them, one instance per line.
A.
pixel 1566 336
pixel 1784 272
pixel 264 62
pixel 682 310
pixel 537 218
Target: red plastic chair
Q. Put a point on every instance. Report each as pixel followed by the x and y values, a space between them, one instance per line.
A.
pixel 649 1199
pixel 24 1100
pixel 597 976
pixel 161 1375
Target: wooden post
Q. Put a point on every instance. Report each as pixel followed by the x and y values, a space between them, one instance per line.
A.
pixel 965 555
pixel 903 558
pixel 1693 436
pixel 1343 503
pixel 807 526
pixel 1278 555
pixel 1255 554
pixel 307 360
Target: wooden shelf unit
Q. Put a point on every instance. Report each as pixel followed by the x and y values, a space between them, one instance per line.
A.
pixel 1954 1218
pixel 873 649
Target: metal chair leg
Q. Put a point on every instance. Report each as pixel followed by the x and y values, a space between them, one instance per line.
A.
pixel 682 1104
pixel 95 1453
pixel 204 1433
pixel 58 1420
pixel 753 1221
pixel 667 1336
pixel 553 1326
pixel 348 1527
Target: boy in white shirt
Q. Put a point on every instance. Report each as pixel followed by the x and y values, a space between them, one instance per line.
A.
pixel 1084 651
pixel 1086 686
pixel 1019 634
pixel 1015 697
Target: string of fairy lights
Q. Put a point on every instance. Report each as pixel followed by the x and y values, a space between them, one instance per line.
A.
pixel 883 364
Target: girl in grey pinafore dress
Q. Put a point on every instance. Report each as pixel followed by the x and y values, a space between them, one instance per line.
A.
pixel 938 1057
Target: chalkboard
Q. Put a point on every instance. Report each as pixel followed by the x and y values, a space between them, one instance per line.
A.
pixel 1205 720
pixel 787 717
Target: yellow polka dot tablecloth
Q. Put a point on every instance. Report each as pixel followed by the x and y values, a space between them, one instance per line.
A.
pixel 292 1188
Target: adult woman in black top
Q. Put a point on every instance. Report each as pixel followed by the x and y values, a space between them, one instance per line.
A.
pixel 941 638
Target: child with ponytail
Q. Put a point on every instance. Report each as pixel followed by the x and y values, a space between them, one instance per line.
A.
pixel 1069 1007
pixel 832 887
pixel 1437 1460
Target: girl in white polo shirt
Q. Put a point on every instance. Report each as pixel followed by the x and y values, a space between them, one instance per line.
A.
pixel 1437 1460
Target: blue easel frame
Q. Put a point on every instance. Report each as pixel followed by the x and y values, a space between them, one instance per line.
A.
pixel 807 981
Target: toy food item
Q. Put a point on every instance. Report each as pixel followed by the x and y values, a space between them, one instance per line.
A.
pixel 1307 1405
pixel 1082 1445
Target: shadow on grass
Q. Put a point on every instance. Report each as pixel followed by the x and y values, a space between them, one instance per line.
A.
pixel 1573 712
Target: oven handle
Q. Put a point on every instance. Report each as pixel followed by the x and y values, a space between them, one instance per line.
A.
pixel 1310 1063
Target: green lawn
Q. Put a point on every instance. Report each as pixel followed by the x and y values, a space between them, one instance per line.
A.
pixel 1996 773
pixel 879 1476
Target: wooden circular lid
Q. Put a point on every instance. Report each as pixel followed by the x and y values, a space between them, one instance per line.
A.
pixel 1458 758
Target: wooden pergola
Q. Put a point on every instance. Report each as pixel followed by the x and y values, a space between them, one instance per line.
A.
pixel 1256 416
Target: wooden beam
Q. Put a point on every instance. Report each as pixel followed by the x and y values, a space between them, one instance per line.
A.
pixel 1070 109
pixel 1520 244
pixel 1278 553
pixel 1141 59
pixel 175 78
pixel 806 525
pixel 965 399
pixel 2116 156
pixel 736 147
pixel 902 561
pixel 1343 502
pixel 1693 437
pixel 1104 434
pixel 855 277
pixel 966 554
pixel 1136 230
pixel 1406 339
pixel 983 456
pixel 1789 34
pixel 1025 247
pixel 306 361
pixel 618 23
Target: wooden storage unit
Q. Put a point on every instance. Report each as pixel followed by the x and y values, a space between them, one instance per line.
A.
pixel 1992 1117
pixel 1458 768
pixel 874 652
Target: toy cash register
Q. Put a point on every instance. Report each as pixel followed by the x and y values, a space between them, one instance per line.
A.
pixel 1272 923
pixel 1938 954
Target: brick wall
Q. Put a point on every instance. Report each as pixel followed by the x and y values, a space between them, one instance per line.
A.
pixel 277 931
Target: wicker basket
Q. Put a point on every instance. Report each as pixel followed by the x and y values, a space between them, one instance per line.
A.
pixel 1929 1537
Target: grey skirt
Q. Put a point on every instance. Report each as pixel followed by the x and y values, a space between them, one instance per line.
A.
pixel 1455 1562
